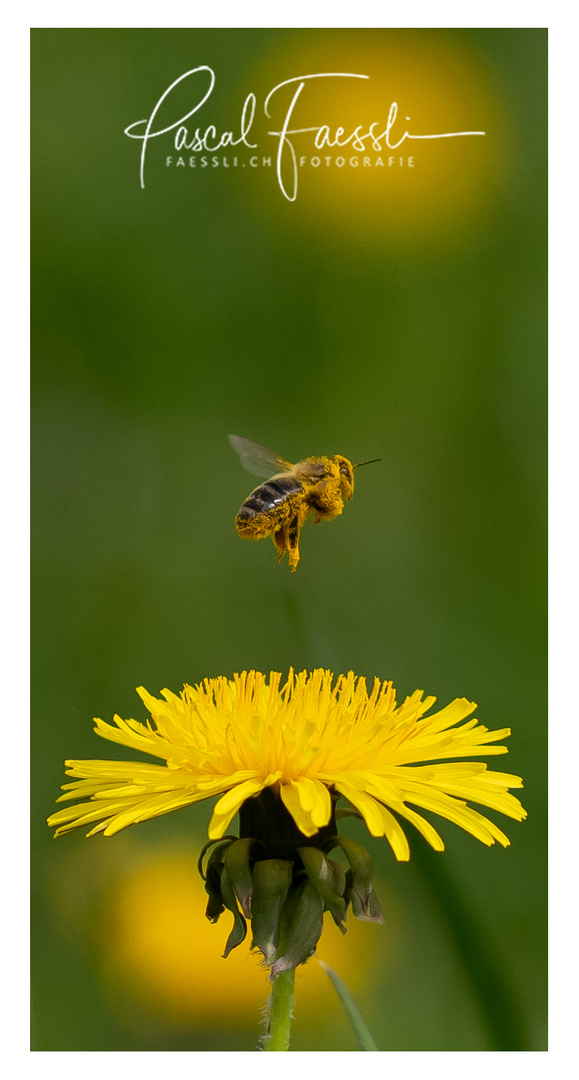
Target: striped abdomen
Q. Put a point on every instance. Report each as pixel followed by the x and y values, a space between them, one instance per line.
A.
pixel 268 506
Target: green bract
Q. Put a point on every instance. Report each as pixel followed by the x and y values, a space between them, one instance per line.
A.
pixel 285 898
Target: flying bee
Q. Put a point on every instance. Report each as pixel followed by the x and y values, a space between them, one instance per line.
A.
pixel 279 508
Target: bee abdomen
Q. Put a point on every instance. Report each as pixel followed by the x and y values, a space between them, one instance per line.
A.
pixel 269 495
pixel 264 499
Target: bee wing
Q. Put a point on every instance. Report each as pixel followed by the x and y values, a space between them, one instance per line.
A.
pixel 256 459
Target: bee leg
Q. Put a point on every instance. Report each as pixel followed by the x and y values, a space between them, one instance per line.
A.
pixel 280 542
pixel 293 537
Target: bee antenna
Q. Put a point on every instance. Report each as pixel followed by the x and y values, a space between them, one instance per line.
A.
pixel 369 462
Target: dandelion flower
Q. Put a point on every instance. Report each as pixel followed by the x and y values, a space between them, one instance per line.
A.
pixel 235 738
pixel 281 757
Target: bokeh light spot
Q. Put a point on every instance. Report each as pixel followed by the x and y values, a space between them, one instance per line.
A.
pixel 162 950
pixel 423 193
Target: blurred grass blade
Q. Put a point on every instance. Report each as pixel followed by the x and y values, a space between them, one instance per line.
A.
pixel 493 983
pixel 351 1009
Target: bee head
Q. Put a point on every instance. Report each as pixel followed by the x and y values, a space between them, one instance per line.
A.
pixel 346 474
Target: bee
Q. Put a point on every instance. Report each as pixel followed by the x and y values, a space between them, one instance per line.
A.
pixel 279 508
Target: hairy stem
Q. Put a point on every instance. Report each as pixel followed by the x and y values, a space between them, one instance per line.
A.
pixel 280 1012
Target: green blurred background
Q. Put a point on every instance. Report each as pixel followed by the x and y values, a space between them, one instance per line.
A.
pixel 399 315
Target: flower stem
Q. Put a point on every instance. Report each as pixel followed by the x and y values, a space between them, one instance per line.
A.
pixel 280 1012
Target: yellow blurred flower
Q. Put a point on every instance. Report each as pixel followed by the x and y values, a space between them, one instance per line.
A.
pixel 308 741
pixel 412 194
pixel 160 950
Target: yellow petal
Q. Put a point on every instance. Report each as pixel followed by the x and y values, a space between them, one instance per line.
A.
pixel 302 800
pixel 229 804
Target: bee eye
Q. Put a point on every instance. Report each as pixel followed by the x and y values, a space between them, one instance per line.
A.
pixel 344 470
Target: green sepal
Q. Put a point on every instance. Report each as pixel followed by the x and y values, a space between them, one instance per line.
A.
pixel 212 877
pixel 236 862
pixel 218 846
pixel 370 910
pixel 239 930
pixel 374 912
pixel 339 876
pixel 325 876
pixel 213 889
pixel 271 881
pixel 305 930
pixel 340 887
pixel 348 811
pixel 359 881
